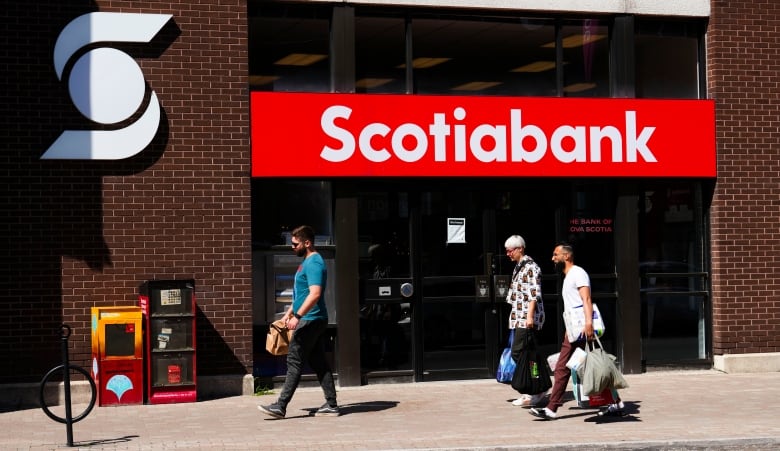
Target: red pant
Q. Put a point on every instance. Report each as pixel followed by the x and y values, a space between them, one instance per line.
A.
pixel 561 373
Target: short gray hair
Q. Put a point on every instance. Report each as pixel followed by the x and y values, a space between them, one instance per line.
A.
pixel 514 241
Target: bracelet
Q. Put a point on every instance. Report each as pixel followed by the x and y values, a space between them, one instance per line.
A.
pixel 297 316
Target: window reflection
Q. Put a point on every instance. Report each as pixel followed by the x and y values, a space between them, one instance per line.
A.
pixel 290 53
pixel 585 58
pixel 669 226
pixel 278 206
pixel 667 60
pixel 380 53
pixel 590 225
pixel 463 57
pixel 383 238
pixel 673 288
pixel 385 336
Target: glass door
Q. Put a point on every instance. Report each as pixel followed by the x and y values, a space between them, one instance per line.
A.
pixel 456 251
pixel 445 243
pixel 426 306
pixel 443 246
pixel 386 339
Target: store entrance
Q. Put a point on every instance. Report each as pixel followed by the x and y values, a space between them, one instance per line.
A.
pixel 442 239
pixel 432 262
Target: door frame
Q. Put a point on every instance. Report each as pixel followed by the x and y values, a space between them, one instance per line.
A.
pixel 348 301
pixel 491 321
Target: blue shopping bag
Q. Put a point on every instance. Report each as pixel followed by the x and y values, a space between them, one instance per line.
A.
pixel 506 365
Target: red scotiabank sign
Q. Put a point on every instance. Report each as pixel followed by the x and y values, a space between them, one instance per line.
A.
pixel 362 135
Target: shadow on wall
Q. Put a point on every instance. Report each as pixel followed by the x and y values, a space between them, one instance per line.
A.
pixel 211 348
pixel 52 212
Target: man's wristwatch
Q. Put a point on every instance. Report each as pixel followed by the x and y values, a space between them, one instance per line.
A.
pixel 297 316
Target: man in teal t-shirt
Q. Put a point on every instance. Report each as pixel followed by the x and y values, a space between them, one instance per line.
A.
pixel 308 317
pixel 312 272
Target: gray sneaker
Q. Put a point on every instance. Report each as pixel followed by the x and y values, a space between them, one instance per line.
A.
pixel 327 411
pixel 274 410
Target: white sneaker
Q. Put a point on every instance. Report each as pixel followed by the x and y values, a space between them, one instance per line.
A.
pixel 545 413
pixel 523 401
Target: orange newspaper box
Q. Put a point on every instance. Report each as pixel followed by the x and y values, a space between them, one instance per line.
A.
pixel 117 355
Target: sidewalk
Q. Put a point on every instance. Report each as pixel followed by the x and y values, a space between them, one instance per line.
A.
pixel 667 410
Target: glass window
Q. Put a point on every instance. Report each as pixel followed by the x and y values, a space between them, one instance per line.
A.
pixel 380 51
pixel 484 57
pixel 278 206
pixel 585 58
pixel 671 268
pixel 590 226
pixel 290 51
pixel 383 237
pixel 120 340
pixel 667 60
pixel 669 226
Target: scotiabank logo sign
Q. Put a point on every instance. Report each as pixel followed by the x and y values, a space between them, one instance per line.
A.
pixel 106 86
pixel 353 135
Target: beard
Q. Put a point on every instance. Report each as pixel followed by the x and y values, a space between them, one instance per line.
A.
pixel 300 252
pixel 559 266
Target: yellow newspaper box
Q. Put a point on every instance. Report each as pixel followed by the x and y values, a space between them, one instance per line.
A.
pixel 117 355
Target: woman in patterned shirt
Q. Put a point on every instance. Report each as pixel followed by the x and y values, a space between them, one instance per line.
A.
pixel 525 298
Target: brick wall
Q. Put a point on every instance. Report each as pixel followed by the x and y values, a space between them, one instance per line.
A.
pixel 80 234
pixel 743 66
pixel 83 234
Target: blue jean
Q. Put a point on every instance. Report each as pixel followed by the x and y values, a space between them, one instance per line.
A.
pixel 308 346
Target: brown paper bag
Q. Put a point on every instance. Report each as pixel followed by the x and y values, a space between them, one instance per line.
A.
pixel 277 342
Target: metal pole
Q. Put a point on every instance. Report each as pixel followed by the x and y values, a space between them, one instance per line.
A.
pixel 66 381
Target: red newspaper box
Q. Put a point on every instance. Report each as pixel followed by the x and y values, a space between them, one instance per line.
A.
pixel 169 310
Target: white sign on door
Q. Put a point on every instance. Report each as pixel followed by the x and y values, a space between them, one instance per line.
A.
pixel 456 230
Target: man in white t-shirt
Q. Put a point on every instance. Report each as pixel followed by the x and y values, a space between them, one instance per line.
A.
pixel 575 293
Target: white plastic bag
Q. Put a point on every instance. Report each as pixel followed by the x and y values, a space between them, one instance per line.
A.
pixel 574 320
pixel 577 359
pixel 552 360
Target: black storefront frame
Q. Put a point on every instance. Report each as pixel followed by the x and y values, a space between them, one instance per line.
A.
pixel 621 68
pixel 617 292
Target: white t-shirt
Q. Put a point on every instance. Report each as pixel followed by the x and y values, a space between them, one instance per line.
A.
pixel 575 278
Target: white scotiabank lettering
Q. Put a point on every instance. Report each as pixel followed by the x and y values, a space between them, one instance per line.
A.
pixel 346 138
pixel 567 143
pixel 635 143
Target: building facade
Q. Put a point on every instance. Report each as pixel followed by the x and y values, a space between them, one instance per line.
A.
pixel 183 141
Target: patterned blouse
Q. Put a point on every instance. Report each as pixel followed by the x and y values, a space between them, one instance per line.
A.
pixel 526 286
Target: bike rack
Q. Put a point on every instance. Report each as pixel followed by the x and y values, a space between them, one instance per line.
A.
pixel 66 367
